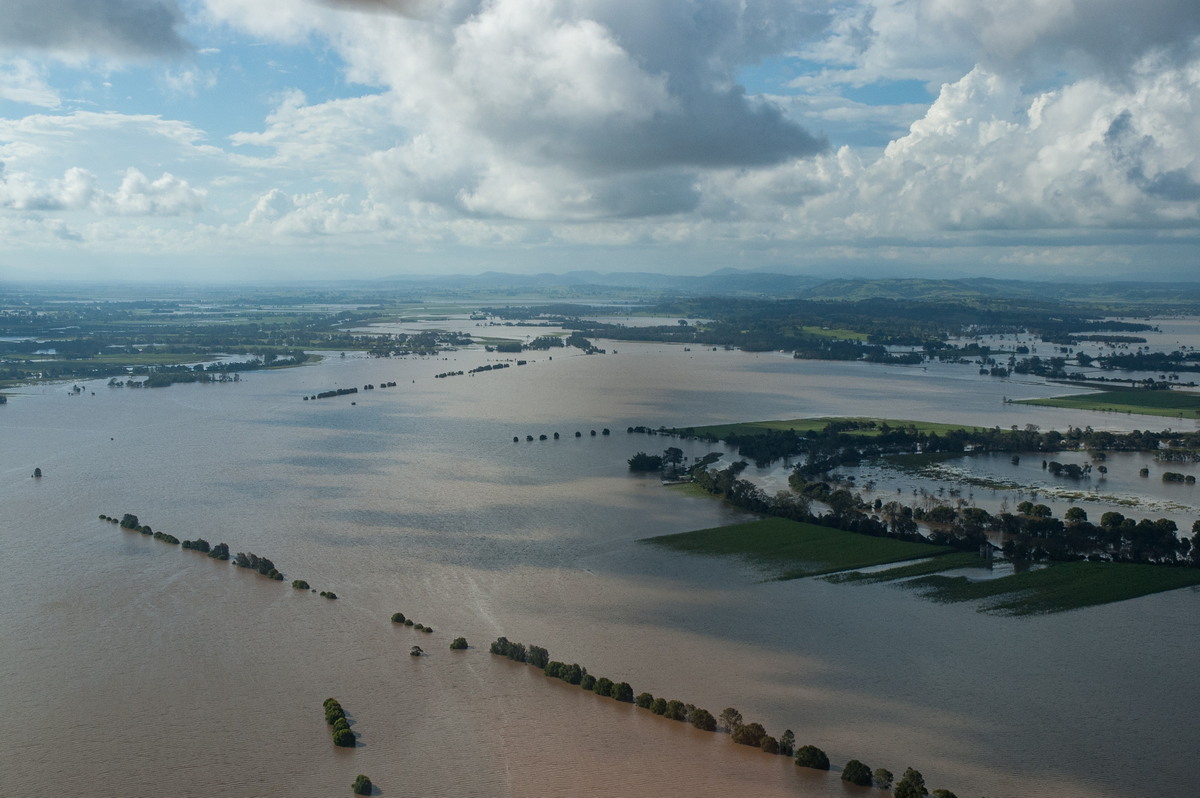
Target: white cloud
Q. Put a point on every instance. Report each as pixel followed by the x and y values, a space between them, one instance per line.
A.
pixel 22 82
pixel 78 190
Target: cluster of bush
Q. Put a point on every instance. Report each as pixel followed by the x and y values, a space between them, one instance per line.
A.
pixel 255 563
pixel 130 521
pixel 335 716
pixel 399 617
pixel 911 784
pixel 220 551
pixel 217 552
pixel 362 785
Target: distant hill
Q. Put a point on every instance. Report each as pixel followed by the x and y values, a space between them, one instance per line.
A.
pixel 1153 297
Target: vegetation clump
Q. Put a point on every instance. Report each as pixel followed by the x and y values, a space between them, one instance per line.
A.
pixel 910 785
pixel 809 756
pixel 335 716
pixel 362 785
pixel 300 584
pixel 329 594
pixel 856 772
pixel 458 644
pixel 255 563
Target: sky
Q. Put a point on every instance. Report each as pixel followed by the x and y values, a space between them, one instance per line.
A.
pixel 276 140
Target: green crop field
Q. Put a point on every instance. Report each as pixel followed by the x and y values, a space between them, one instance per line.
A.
pixel 1177 404
pixel 792 550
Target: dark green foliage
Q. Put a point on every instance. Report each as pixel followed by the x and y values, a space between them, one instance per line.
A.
pixel 537 656
pixel 329 594
pixel 645 462
pixel 398 617
pixel 343 738
pixel 588 682
pixel 408 622
pixel 856 772
pixel 219 551
pixel 730 719
pixel 603 686
pixel 199 544
pixel 514 651
pixel 769 745
pixel 573 674
pixel 749 734
pixel 420 627
pixel 675 710
pixel 911 785
pixel 129 521
pixel 165 538
pixel 362 785
pixel 458 644
pixel 883 777
pixel 300 584
pixel 255 563
pixel 809 756
pixel 553 668
pixel 622 691
pixel 644 700
pixel 340 723
pixel 658 706
pixel 703 719
pixel 940 793
pixel 333 711
pixel 787 743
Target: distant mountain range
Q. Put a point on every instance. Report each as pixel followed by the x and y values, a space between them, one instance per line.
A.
pixel 732 282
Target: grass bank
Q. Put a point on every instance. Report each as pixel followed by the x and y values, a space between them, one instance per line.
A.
pixel 802 425
pixel 1060 587
pixel 794 550
pixel 1176 404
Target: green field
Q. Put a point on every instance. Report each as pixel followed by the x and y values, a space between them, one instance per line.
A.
pixel 1176 404
pixel 839 334
pixel 794 550
pixel 945 562
pixel 1060 587
pixel 803 425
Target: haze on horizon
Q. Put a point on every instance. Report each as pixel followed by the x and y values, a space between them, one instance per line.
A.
pixel 218 140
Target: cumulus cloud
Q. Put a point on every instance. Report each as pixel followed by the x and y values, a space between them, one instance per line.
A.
pixel 78 190
pixel 939 40
pixel 595 109
pixel 22 82
pixel 87 28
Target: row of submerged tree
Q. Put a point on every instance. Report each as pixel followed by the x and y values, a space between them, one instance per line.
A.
pixel 730 721
pixel 218 551
pixel 339 726
pixel 578 434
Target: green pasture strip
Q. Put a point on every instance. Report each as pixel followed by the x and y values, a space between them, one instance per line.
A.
pixel 1060 587
pixel 802 425
pixel 945 562
pixel 797 549
pixel 1146 403
pixel 839 334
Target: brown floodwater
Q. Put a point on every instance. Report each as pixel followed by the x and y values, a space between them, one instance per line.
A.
pixel 132 668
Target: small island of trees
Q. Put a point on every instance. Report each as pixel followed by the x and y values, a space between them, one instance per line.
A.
pixel 339 727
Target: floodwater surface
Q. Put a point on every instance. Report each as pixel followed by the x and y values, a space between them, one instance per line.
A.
pixel 132 668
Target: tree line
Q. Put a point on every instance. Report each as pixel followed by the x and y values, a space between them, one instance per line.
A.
pixel 730 721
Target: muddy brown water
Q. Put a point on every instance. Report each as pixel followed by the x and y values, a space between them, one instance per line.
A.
pixel 131 668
